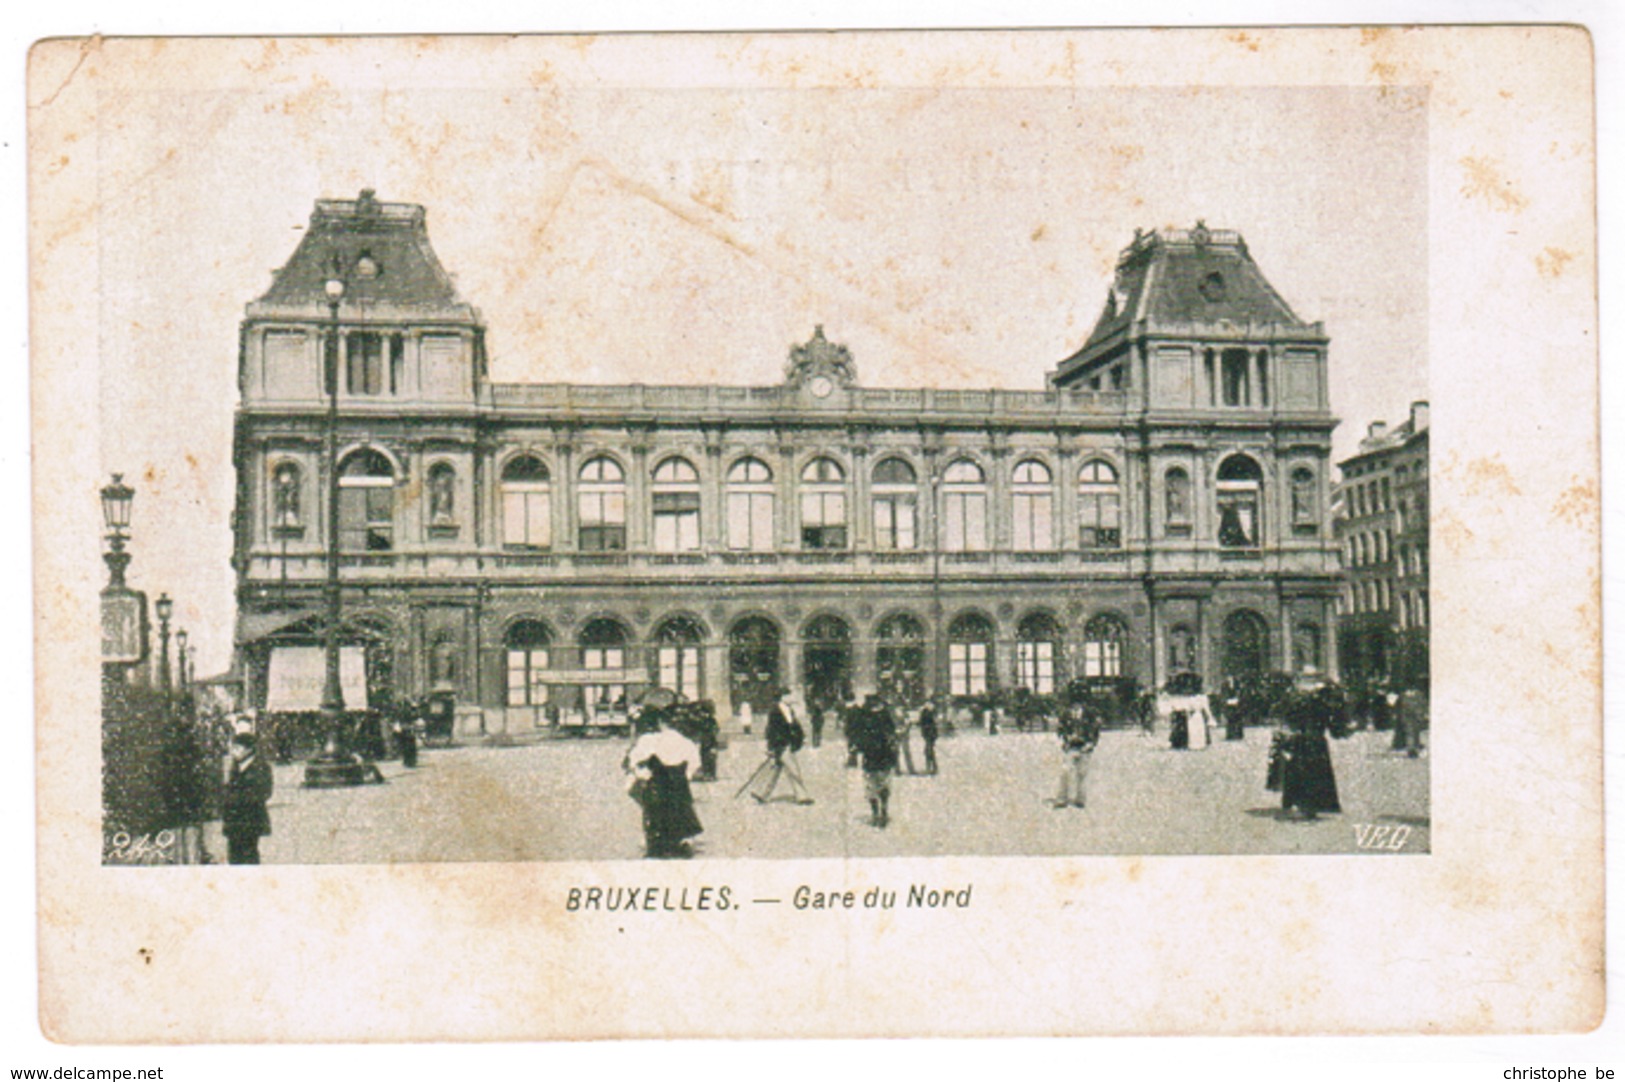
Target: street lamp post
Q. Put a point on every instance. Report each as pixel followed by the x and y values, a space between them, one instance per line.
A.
pixel 165 609
pixel 334 767
pixel 180 660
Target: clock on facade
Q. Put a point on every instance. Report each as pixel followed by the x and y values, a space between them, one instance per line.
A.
pixel 821 386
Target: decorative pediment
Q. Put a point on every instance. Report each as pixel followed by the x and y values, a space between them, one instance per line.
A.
pixel 819 358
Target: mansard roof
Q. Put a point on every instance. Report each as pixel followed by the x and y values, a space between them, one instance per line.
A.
pixel 1175 280
pixel 381 252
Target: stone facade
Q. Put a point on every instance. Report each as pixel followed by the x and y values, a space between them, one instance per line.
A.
pixel 1381 523
pixel 538 550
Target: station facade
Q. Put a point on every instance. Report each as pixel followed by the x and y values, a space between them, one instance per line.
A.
pixel 542 551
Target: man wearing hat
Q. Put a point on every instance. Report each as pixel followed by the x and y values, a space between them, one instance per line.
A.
pixel 248 787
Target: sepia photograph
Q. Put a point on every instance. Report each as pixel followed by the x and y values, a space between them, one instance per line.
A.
pixel 823 494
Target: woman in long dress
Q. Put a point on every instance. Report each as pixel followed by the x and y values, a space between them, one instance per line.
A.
pixel 660 761
pixel 1307 781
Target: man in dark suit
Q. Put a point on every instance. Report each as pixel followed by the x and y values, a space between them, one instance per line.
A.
pixel 248 789
pixel 784 738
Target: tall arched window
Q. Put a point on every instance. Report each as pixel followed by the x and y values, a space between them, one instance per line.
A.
pixel 1038 645
pixel 1241 484
pixel 1176 491
pixel 603 648
pixel 900 659
pixel 527 504
pixel 750 506
pixel 287 497
pixel 964 507
pixel 893 497
pixel 823 505
pixel 528 643
pixel 442 494
pixel 1103 639
pixel 366 503
pixel 970 654
pixel 1032 505
pixel 601 501
pixel 1099 506
pixel 676 498
pixel 677 657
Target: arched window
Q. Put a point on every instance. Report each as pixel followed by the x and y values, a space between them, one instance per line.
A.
pixel 601 501
pixel 603 649
pixel 893 497
pixel 442 494
pixel 1038 644
pixel 1240 484
pixel 1032 504
pixel 823 505
pixel 1305 501
pixel 964 507
pixel 287 497
pixel 366 503
pixel 676 497
pixel 750 506
pixel 677 657
pixel 970 655
pixel 900 659
pixel 1176 490
pixel 1306 647
pixel 1099 506
pixel 1103 639
pixel 527 504
pixel 528 644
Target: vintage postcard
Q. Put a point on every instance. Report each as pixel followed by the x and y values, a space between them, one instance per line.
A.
pixel 956 514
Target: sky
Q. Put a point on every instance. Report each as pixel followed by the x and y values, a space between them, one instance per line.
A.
pixel 609 234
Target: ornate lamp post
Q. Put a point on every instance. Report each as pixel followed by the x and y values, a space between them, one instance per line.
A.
pixel 180 660
pixel 116 499
pixel 124 611
pixel 165 609
pixel 334 767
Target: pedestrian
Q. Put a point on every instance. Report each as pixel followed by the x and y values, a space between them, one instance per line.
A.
pixel 873 735
pixel 815 717
pixel 404 730
pixel 906 746
pixel 745 717
pixel 1234 721
pixel 659 761
pixel 928 734
pixel 785 737
pixel 244 819
pixel 1412 719
pixel 709 738
pixel 1308 784
pixel 1079 731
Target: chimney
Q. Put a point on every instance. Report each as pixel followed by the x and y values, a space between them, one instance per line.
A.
pixel 1419 416
pixel 1377 430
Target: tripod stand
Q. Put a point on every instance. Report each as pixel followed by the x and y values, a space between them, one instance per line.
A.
pixel 779 765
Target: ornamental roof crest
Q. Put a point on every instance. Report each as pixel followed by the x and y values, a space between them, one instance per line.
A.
pixel 818 356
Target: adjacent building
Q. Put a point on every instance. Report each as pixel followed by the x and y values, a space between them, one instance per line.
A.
pixel 1382 529
pixel 539 551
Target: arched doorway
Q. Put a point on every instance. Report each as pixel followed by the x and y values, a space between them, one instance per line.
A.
pixel 1038 649
pixel 603 648
pixel 1246 644
pixel 970 655
pixel 900 660
pixel 826 660
pixel 753 663
pixel 677 658
pixel 529 645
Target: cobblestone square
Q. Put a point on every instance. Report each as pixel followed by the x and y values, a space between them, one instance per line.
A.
pixel 566 800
